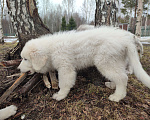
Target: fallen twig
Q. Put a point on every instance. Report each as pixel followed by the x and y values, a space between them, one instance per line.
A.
pixel 29 85
pixel 10 89
pixel 14 75
pixel 10 63
pixel 46 81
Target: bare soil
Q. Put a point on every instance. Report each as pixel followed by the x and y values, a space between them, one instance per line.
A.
pixel 87 100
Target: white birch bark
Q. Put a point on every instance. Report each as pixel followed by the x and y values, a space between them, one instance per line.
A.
pixel 146 18
pixel 1 17
pixel 106 12
pixel 139 18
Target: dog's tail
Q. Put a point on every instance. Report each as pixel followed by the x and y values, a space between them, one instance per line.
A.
pixel 136 65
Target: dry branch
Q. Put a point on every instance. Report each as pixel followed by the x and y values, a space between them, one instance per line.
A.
pixel 14 75
pixel 54 81
pixel 10 63
pixel 46 81
pixel 15 84
pixel 30 84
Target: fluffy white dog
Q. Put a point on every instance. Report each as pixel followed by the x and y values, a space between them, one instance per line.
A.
pixel 107 48
pixel 7 112
pixel 138 44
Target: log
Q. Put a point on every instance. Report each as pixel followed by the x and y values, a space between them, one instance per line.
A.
pixel 54 81
pixel 10 63
pixel 30 84
pixel 10 89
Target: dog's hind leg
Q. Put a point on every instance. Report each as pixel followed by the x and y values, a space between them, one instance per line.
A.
pixel 118 76
pixel 121 83
pixel 67 77
pixel 110 85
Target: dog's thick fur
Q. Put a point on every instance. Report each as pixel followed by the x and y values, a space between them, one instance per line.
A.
pixel 7 112
pixel 138 44
pixel 106 47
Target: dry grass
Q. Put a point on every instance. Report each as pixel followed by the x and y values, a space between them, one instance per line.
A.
pixel 4 48
pixel 88 100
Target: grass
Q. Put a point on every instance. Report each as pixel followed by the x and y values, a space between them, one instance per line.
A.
pixel 87 100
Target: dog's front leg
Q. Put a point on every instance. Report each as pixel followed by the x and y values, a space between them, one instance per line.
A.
pixel 67 77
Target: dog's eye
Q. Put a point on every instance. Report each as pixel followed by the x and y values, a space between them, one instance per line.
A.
pixel 25 59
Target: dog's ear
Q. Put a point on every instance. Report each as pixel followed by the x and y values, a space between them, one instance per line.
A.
pixel 38 60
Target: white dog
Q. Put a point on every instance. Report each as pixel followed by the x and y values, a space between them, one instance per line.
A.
pixel 7 112
pixel 138 44
pixel 107 48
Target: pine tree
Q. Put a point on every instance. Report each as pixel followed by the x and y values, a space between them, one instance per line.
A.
pixel 72 24
pixel 63 24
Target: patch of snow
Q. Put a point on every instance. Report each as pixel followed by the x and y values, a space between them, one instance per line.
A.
pixel 145 43
pixel 10 39
pixel 145 40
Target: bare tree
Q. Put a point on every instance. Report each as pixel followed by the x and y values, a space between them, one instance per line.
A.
pixel 1 17
pixel 88 8
pixel 139 18
pixel 106 12
pixel 69 7
pixel 26 23
pixel 78 19
pixel 134 20
pixel 98 13
pixel 146 17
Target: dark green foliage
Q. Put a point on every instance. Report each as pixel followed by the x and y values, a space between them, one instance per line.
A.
pixel 124 11
pixel 129 3
pixel 72 24
pixel 63 24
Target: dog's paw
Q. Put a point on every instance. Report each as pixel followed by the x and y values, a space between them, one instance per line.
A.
pixel 12 109
pixel 116 98
pixel 110 85
pixel 58 96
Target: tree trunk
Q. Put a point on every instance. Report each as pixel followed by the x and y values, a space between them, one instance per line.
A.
pixel 26 23
pixel 98 13
pixel 139 18
pixel 1 17
pixel 146 18
pixel 134 20
pixel 105 13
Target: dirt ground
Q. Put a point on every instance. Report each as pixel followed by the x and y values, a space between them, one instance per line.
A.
pixel 87 100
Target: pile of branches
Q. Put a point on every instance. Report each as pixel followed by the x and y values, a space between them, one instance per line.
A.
pixel 10 80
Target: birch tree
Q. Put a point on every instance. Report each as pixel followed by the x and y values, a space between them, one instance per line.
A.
pixel 139 18
pixel 146 17
pixel 98 13
pixel 1 17
pixel 129 4
pixel 106 12
pixel 26 23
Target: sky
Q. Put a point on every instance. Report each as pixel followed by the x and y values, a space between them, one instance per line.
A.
pixel 78 2
pixel 78 5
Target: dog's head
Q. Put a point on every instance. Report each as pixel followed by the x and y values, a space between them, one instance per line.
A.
pixel 33 59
